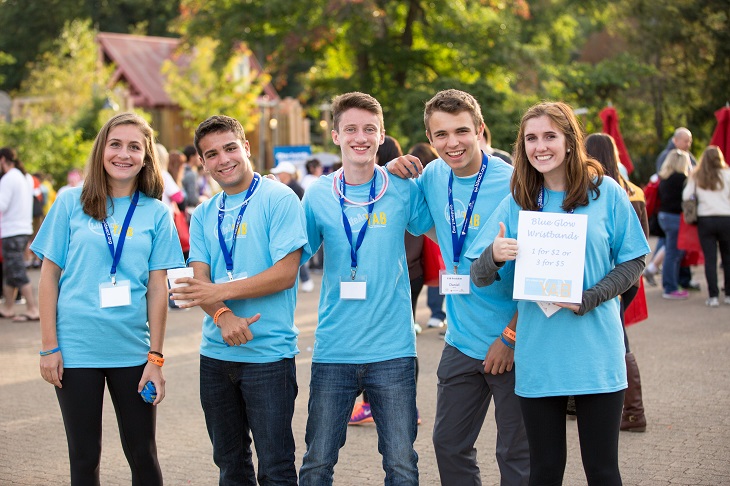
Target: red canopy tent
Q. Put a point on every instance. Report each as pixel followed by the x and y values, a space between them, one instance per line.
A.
pixel 721 135
pixel 610 126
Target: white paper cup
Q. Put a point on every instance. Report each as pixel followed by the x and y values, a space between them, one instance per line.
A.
pixel 175 273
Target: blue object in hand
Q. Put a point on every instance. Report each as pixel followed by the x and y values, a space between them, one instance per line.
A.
pixel 149 392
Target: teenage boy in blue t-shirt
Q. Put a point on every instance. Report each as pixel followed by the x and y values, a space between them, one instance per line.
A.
pixel 247 372
pixel 365 339
pixel 466 185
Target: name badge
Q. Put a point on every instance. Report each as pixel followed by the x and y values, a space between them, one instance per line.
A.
pixel 118 295
pixel 454 284
pixel 353 289
pixel 236 276
pixel 548 308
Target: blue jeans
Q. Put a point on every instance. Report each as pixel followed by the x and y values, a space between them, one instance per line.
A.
pixel 244 399
pixel 435 302
pixel 391 389
pixel 673 256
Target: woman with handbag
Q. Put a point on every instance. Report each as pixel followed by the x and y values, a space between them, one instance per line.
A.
pixel 709 185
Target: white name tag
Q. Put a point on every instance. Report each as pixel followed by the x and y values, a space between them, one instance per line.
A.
pixel 118 295
pixel 548 308
pixel 353 290
pixel 454 284
pixel 236 276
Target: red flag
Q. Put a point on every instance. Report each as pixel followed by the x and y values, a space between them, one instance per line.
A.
pixel 721 135
pixel 610 126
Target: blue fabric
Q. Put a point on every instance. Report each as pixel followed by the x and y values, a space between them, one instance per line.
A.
pixel 244 399
pixel 673 256
pixel 273 226
pixel 380 327
pixel 391 389
pixel 568 354
pixel 475 320
pixel 89 336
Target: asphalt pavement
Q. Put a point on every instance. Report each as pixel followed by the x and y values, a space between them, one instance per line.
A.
pixel 683 352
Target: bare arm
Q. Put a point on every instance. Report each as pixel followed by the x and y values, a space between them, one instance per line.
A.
pixel 201 291
pixel 157 319
pixel 51 365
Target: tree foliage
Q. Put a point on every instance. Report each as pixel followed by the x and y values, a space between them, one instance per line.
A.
pixel 31 27
pixel 202 90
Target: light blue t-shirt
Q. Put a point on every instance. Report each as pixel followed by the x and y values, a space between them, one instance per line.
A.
pixel 113 337
pixel 272 227
pixel 568 354
pixel 380 327
pixel 477 319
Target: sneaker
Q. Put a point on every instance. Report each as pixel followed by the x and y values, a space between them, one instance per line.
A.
pixel 693 286
pixel 649 277
pixel 435 322
pixel 307 286
pixel 361 414
pixel 676 295
pixel 713 302
pixel 727 299
pixel 418 328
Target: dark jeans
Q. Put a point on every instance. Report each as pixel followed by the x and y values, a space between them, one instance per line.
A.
pixel 673 256
pixel 391 388
pixel 81 400
pixel 714 232
pixel 435 302
pixel 244 399
pixel 599 417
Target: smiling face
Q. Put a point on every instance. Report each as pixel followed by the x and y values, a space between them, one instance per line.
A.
pixel 456 140
pixel 359 135
pixel 227 160
pixel 124 154
pixel 545 148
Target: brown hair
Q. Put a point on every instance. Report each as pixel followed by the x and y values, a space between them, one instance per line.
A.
pixel 425 152
pixel 347 101
pixel 707 173
pixel 583 174
pixel 602 147
pixel 217 124
pixel 176 165
pixel 11 156
pixel 453 101
pixel 95 193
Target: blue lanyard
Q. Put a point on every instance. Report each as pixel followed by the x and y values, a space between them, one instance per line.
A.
pixel 346 222
pixel 541 200
pixel 228 255
pixel 117 255
pixel 458 239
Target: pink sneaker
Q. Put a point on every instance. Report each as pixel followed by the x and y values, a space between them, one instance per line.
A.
pixel 361 414
pixel 676 295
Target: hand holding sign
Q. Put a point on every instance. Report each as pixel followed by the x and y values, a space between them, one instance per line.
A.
pixel 503 249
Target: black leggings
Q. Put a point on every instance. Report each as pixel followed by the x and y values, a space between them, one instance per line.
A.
pixel 81 400
pixel 598 416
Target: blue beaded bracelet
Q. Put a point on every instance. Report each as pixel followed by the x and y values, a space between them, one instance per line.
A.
pixel 50 351
pixel 507 343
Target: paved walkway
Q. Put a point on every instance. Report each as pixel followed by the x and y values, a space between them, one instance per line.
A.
pixel 683 351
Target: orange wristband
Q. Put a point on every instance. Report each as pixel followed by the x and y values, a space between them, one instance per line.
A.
pixel 218 313
pixel 155 359
pixel 509 334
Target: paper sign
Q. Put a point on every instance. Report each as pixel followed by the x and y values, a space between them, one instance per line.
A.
pixel 551 257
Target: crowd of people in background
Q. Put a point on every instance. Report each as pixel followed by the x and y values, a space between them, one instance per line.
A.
pixel 378 228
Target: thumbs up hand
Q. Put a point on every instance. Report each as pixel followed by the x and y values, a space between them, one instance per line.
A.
pixel 503 249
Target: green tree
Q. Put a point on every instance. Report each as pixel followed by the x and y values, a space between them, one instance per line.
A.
pixel 30 28
pixel 202 89
pixel 66 81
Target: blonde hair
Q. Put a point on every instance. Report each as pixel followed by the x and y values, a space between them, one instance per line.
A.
pixel 677 161
pixel 707 174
